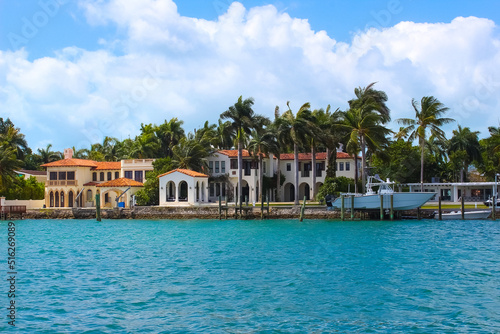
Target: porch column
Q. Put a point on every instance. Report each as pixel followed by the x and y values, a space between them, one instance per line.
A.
pixel 176 199
pixel 455 193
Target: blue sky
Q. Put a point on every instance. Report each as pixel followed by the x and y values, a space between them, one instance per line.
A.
pixel 72 72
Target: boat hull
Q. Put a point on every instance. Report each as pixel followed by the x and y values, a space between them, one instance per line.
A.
pixel 401 201
pixel 467 215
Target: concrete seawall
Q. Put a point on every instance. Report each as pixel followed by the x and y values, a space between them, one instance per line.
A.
pixel 155 212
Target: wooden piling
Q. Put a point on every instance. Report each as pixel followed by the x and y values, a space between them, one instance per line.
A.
pixel 493 206
pixel 381 207
pixel 440 211
pixel 220 208
pixel 262 207
pixel 463 207
pixel 352 207
pixel 301 218
pixel 98 206
pixel 392 206
pixel 418 213
pixel 342 209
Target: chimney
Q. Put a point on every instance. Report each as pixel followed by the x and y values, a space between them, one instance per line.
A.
pixel 68 153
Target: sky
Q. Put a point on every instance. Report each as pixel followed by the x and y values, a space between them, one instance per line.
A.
pixel 73 72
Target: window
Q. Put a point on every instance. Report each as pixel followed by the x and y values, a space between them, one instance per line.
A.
pixel 62 175
pixel 117 175
pixel 106 198
pixel 216 166
pixel 347 166
pixel 288 167
pixel 128 174
pixel 263 167
pixel 51 204
pixel 138 175
pixel 211 166
pixel 341 166
pixel 62 199
pixel 110 176
pixel 101 176
pixel 217 189
pixel 70 175
pixel 234 163
pixel 89 195
pixel 222 166
pixel 53 176
pixel 94 176
pixel 212 190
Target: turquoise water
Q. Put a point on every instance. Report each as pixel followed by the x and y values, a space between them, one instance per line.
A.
pixel 278 276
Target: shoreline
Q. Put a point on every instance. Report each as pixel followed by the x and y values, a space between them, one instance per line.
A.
pixel 157 212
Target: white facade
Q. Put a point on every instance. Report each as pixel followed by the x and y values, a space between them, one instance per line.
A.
pixel 183 187
pixel 471 191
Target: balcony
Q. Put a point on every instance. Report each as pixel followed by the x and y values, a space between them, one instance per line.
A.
pixel 55 183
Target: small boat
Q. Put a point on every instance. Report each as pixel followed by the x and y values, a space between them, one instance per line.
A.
pixel 371 200
pixel 454 215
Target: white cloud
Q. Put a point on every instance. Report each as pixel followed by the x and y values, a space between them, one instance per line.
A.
pixel 193 69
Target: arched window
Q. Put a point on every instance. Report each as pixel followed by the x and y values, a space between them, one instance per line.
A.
pixel 89 195
pixel 101 176
pixel 94 176
pixel 62 199
pixel 117 175
pixel 57 199
pixel 51 204
pixel 70 199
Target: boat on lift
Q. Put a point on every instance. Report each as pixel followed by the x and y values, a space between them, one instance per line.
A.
pixel 371 200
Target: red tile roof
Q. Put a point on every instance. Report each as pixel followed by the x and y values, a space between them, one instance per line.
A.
pixel 121 182
pixel 33 172
pixel 102 165
pixel 319 156
pixel 71 163
pixel 90 184
pixel 234 153
pixel 188 172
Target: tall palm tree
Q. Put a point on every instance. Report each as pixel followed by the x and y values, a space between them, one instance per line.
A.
pixel 296 127
pixel 242 119
pixel 262 143
pixel 13 137
pixel 46 155
pixel 427 115
pixel 224 138
pixel 368 112
pixel 189 153
pixel 467 141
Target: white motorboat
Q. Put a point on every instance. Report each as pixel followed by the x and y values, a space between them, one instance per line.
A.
pixel 371 200
pixel 454 215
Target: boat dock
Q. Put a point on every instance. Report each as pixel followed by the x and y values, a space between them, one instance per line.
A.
pixel 10 211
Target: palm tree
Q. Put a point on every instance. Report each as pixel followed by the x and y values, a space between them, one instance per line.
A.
pixel 262 143
pixel 13 137
pixel 296 128
pixel 189 153
pixel 467 141
pixel 169 134
pixel 364 121
pixel 427 115
pixel 224 137
pixel 242 119
pixel 8 164
pixel 46 155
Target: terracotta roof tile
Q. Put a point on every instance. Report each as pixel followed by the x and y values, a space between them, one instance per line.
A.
pixel 188 172
pixel 121 182
pixel 234 153
pixel 90 184
pixel 71 163
pixel 102 165
pixel 319 156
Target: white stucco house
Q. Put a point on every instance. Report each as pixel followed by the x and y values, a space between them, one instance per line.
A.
pixel 183 187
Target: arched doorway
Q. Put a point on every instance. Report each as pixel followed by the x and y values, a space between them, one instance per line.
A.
pixel 51 201
pixel 304 190
pixel 57 199
pixel 289 190
pixel 70 198
pixel 62 199
pixel 170 192
pixel 183 191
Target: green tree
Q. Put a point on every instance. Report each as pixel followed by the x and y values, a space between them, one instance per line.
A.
pixel 46 155
pixel 465 140
pixel 402 162
pixel 189 153
pixel 9 163
pixel 364 122
pixel 427 116
pixel 243 120
pixel 149 195
pixel 296 128
pixel 169 135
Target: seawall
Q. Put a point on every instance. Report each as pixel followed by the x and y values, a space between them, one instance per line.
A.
pixel 156 212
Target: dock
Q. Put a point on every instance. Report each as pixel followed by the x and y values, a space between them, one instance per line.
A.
pixel 9 211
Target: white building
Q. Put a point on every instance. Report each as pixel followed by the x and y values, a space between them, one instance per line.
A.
pixel 183 187
pixel 223 166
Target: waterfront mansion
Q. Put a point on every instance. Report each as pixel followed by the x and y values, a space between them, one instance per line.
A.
pixel 75 182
